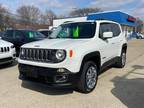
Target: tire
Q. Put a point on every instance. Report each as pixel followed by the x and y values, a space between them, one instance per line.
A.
pixel 140 37
pixel 88 77
pixel 121 60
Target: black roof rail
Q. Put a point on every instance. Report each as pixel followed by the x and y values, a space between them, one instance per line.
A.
pixel 68 21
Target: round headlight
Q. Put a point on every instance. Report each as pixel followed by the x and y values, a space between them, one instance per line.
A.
pixel 12 46
pixel 60 54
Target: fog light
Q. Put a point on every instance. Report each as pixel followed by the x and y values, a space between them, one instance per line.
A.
pixel 61 78
pixel 61 70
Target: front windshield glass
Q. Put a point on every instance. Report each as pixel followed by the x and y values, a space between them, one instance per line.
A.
pixel 75 30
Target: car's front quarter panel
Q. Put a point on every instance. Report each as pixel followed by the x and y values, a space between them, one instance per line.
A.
pixel 73 63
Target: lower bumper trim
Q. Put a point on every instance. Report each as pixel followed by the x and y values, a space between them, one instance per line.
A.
pixel 47 75
pixel 6 60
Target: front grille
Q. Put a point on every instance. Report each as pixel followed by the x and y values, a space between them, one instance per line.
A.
pixel 4 49
pixel 41 55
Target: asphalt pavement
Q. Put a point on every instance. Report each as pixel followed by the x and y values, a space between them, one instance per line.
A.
pixel 116 88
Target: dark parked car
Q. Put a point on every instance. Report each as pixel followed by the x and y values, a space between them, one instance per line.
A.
pixel 45 32
pixel 1 34
pixel 20 37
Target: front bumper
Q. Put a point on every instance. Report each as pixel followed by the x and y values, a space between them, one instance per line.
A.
pixel 51 76
pixel 6 60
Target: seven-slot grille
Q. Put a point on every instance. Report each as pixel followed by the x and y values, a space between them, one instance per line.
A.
pixel 42 55
pixel 4 49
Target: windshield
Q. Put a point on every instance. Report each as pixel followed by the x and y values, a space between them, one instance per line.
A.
pixel 33 35
pixel 75 30
pixel 46 33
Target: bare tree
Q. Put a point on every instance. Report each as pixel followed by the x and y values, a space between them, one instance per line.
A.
pixel 4 17
pixel 61 16
pixel 47 17
pixel 29 14
pixel 83 12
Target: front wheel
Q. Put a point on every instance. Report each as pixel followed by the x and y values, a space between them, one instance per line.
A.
pixel 88 78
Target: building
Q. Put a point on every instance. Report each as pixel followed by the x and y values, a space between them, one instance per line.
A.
pixel 127 22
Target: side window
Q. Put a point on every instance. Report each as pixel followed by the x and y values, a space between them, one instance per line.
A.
pixel 104 27
pixel 115 29
pixel 109 27
pixel 39 35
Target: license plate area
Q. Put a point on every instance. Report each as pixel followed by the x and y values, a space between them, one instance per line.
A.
pixel 32 73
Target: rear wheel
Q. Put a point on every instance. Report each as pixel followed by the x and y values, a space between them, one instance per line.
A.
pixel 122 60
pixel 88 78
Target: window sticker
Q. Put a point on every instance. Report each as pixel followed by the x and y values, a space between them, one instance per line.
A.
pixel 30 34
pixel 76 32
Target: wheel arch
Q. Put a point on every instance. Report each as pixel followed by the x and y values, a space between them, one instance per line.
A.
pixel 93 56
pixel 124 47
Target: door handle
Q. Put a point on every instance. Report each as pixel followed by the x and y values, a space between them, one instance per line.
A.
pixel 113 43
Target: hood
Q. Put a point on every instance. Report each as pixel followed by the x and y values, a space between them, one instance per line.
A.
pixel 56 43
pixel 4 43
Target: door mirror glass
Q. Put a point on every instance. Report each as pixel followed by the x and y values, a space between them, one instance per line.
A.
pixel 107 35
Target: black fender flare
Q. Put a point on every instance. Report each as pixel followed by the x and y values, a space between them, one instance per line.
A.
pixel 90 56
pixel 124 46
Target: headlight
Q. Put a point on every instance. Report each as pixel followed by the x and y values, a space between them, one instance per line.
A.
pixel 12 46
pixel 60 55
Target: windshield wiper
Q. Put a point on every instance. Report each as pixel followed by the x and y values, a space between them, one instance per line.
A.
pixel 60 37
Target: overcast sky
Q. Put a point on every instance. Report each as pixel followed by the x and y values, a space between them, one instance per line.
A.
pixel 133 7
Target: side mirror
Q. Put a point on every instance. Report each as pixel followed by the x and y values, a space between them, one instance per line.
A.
pixel 0 37
pixel 107 35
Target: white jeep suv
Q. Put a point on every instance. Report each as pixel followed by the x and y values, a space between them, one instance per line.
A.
pixel 7 52
pixel 74 54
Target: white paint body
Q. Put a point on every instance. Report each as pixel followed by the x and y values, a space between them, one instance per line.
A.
pixel 108 49
pixel 6 54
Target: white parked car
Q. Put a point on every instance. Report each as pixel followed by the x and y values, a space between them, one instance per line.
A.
pixel 74 54
pixel 140 36
pixel 7 52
